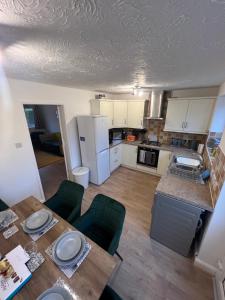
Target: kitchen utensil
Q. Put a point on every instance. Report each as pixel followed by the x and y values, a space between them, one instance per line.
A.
pixel 68 245
pixel 37 219
pixel 50 217
pixel 55 293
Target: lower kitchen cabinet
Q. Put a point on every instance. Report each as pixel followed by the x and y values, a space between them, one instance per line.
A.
pixel 164 161
pixel 129 155
pixel 175 223
pixel 115 157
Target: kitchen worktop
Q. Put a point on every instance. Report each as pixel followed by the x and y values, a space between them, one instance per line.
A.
pixel 165 147
pixel 186 190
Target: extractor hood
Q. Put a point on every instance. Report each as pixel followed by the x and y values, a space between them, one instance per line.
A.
pixel 153 106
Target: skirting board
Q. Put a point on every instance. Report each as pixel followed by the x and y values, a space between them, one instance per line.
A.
pixel 205 267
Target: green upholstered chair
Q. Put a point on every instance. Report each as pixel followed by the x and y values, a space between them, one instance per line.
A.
pixel 103 223
pixel 3 206
pixel 109 294
pixel 67 201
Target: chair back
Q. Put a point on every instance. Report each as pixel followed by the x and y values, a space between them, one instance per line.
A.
pixel 108 213
pixel 71 192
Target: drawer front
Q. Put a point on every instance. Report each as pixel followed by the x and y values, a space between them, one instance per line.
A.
pixel 115 157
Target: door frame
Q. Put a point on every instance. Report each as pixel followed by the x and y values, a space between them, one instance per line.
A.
pixel 65 145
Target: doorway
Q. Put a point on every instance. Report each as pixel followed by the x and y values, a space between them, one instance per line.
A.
pixel 45 130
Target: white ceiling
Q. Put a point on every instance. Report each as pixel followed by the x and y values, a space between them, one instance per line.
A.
pixel 111 45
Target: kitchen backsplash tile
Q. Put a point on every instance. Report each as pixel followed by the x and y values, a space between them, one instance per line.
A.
pixel 156 127
pixel 217 167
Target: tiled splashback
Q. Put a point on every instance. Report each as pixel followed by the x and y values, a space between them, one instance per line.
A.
pixel 217 167
pixel 156 127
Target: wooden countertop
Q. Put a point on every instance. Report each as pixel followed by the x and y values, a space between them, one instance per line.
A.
pixel 186 190
pixel 89 280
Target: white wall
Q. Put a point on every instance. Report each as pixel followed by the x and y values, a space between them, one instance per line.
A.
pixel 212 249
pixel 218 118
pixel 19 177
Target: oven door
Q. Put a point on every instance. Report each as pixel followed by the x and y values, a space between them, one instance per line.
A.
pixel 148 157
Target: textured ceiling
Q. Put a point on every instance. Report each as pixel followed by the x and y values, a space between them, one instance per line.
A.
pixel 113 45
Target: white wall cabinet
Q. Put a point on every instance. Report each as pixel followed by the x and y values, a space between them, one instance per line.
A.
pixel 192 115
pixel 135 114
pixel 115 157
pixel 103 107
pixel 176 114
pixel 119 114
pixel 129 155
pixel 163 162
pixel 199 115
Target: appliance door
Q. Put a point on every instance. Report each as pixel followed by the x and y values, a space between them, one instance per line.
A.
pixel 148 157
pixel 101 134
pixel 103 169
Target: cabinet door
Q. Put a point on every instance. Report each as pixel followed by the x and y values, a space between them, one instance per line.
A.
pixel 115 157
pixel 120 114
pixel 163 162
pixel 129 155
pixel 199 115
pixel 106 109
pixel 174 223
pixel 176 115
pixel 135 114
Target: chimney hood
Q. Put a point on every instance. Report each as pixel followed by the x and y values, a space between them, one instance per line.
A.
pixel 153 106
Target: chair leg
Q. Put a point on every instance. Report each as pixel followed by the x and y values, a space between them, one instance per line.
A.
pixel 120 257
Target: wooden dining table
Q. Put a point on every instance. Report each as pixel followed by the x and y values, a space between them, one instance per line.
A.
pixel 87 282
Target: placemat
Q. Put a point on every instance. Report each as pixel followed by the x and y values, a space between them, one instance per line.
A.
pixel 34 264
pixel 11 218
pixel 70 270
pixel 36 236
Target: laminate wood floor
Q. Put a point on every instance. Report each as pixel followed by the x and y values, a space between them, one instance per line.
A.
pixel 51 177
pixel 149 271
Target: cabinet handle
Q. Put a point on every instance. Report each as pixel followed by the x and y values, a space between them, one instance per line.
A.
pixel 141 123
pixel 182 124
pixel 186 124
pixel 125 121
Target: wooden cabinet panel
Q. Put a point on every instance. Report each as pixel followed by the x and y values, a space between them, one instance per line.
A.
pixel 120 114
pixel 129 155
pixel 135 114
pixel 115 157
pixel 163 162
pixel 176 115
pixel 199 115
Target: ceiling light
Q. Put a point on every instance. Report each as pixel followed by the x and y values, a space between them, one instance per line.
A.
pixel 137 91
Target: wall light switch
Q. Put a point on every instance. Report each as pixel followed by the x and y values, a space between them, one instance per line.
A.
pixel 18 145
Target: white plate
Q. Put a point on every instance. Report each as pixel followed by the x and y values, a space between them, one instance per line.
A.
pixel 55 293
pixel 50 217
pixel 37 219
pixel 74 260
pixel 68 245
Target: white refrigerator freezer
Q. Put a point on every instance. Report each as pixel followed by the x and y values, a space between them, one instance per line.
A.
pixel 94 146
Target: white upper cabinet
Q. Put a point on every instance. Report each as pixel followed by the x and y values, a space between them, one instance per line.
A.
pixel 189 115
pixel 135 114
pixel 103 107
pixel 199 115
pixel 119 114
pixel 176 114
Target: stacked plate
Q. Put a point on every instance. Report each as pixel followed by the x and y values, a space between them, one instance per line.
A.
pixel 55 293
pixel 68 249
pixel 3 216
pixel 38 221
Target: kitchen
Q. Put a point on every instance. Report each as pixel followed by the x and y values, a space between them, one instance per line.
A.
pixel 139 213
pixel 171 138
